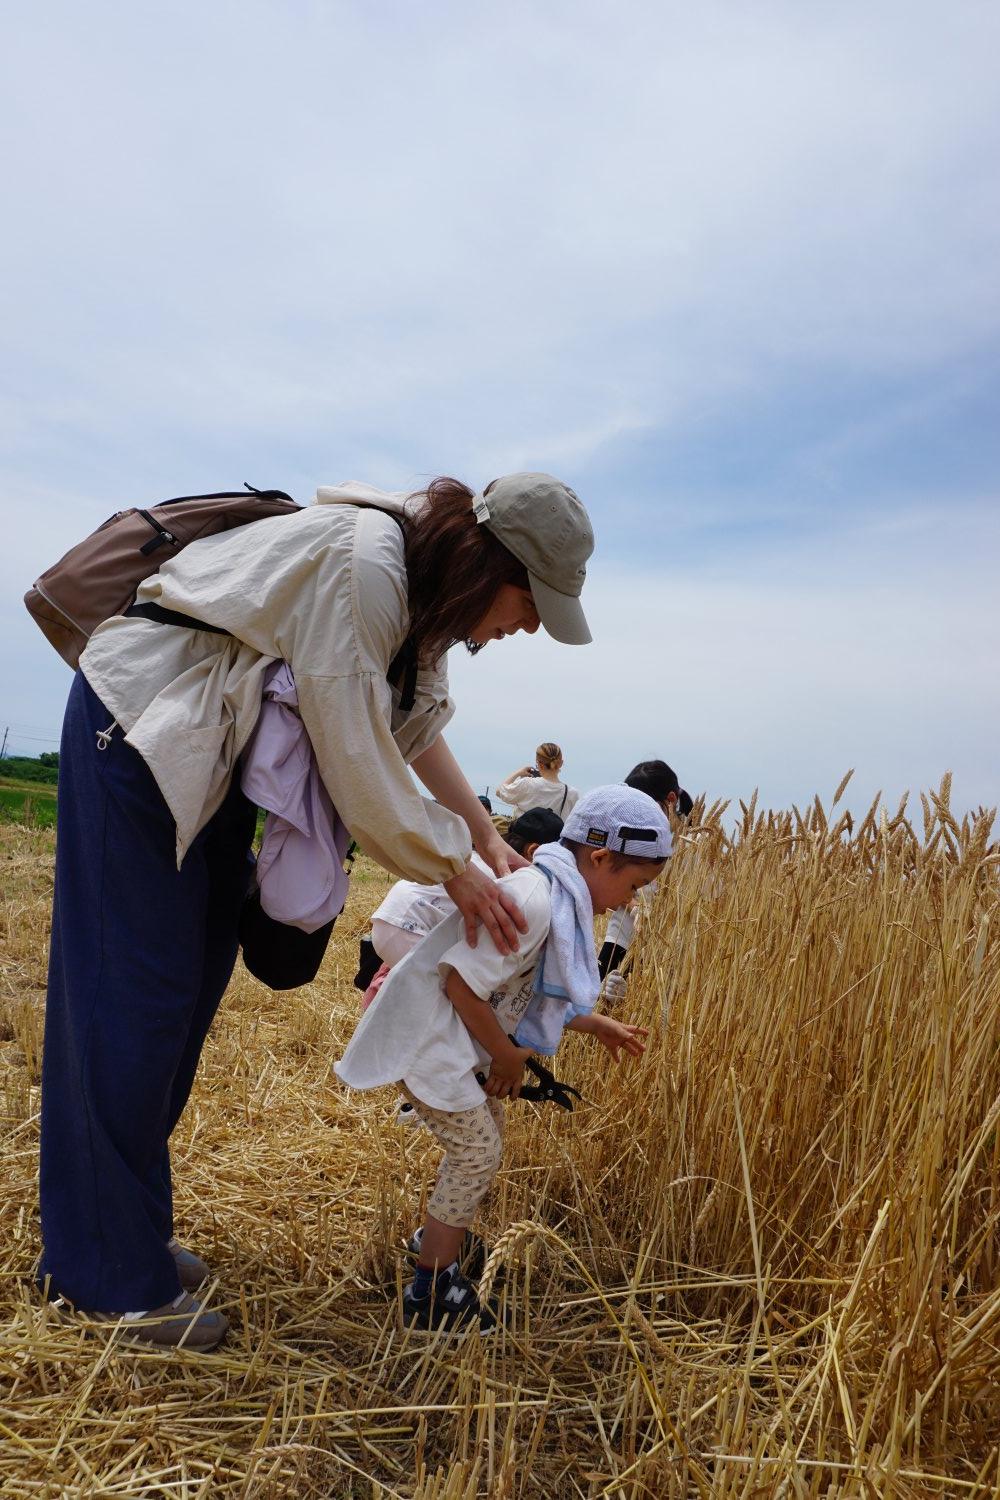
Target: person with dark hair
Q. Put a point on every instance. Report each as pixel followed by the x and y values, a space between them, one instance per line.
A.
pixel 361 595
pixel 659 781
pixel 539 785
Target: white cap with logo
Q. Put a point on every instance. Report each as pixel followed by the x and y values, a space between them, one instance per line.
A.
pixel 620 818
pixel 544 525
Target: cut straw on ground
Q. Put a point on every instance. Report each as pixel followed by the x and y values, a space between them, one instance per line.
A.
pixel 763 1261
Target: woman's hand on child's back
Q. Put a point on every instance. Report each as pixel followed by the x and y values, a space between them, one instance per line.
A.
pixel 507 1073
pixel 480 899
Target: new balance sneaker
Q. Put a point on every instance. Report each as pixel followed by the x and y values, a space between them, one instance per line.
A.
pixel 471 1254
pixel 451 1304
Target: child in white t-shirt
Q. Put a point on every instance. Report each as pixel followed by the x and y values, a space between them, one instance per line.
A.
pixel 453 1025
pixel 410 911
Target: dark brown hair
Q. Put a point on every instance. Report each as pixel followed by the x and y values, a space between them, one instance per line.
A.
pixel 657 780
pixel 455 568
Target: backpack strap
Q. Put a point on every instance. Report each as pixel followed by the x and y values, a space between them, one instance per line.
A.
pixel 402 672
pixel 173 617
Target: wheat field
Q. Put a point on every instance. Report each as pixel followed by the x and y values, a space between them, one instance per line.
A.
pixel 762 1262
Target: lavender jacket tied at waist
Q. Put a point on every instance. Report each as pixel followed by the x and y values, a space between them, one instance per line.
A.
pixel 300 868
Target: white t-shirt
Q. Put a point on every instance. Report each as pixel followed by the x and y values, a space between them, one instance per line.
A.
pixel 418 908
pixel 526 792
pixel 412 1032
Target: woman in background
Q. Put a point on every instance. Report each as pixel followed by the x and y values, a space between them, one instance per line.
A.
pixel 539 785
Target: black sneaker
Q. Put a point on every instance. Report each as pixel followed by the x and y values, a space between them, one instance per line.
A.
pixel 471 1255
pixel 451 1304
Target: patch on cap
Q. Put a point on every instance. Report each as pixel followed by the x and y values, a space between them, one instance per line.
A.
pixel 597 838
pixel 480 509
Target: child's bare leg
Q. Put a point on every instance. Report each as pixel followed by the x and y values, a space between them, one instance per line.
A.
pixel 473 1142
pixel 439 1244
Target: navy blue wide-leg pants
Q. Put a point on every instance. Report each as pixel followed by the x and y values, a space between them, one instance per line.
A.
pixel 141 955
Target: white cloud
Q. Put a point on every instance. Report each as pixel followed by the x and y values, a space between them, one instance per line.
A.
pixel 291 243
pixel 865 649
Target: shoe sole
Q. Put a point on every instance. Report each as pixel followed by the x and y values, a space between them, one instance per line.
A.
pixel 448 1330
pixel 131 1336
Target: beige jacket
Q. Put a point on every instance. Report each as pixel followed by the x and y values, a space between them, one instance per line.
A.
pixel 325 590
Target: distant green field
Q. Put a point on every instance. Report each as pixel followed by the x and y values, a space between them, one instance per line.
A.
pixel 34 804
pixel 31 803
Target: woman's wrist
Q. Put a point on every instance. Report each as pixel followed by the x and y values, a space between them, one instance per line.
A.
pixel 485 838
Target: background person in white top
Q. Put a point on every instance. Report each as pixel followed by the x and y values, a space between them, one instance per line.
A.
pixel 657 780
pixel 539 785
pixel 154 831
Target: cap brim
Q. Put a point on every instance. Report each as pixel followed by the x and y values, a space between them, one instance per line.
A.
pixel 561 614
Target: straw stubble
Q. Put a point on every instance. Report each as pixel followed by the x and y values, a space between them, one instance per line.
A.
pixel 762 1261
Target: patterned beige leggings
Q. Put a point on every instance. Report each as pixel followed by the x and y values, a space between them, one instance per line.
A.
pixel 473 1142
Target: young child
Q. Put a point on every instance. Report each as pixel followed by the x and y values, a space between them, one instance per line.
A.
pixel 657 780
pixel 448 1012
pixel 410 910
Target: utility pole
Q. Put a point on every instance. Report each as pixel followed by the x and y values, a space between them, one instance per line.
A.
pixel 3 747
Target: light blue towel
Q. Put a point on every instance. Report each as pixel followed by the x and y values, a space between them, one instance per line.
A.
pixel 567 982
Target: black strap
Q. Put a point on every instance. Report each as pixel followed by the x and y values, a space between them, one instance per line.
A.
pixel 402 671
pixel 161 536
pixel 638 835
pixel 403 668
pixel 232 495
pixel 563 802
pixel 173 617
pixel 402 674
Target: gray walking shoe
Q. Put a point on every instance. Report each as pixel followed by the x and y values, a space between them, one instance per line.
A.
pixel 181 1321
pixel 191 1269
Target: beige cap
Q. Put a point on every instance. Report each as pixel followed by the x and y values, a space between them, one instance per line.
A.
pixel 541 521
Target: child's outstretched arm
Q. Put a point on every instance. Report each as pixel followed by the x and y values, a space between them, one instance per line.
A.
pixel 506 1074
pixel 614 1035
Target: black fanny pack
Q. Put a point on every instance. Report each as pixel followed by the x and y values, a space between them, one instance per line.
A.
pixel 280 956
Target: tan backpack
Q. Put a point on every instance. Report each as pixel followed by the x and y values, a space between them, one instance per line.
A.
pixel 98 577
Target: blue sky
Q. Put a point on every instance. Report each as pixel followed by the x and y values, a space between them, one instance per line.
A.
pixel 728 270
